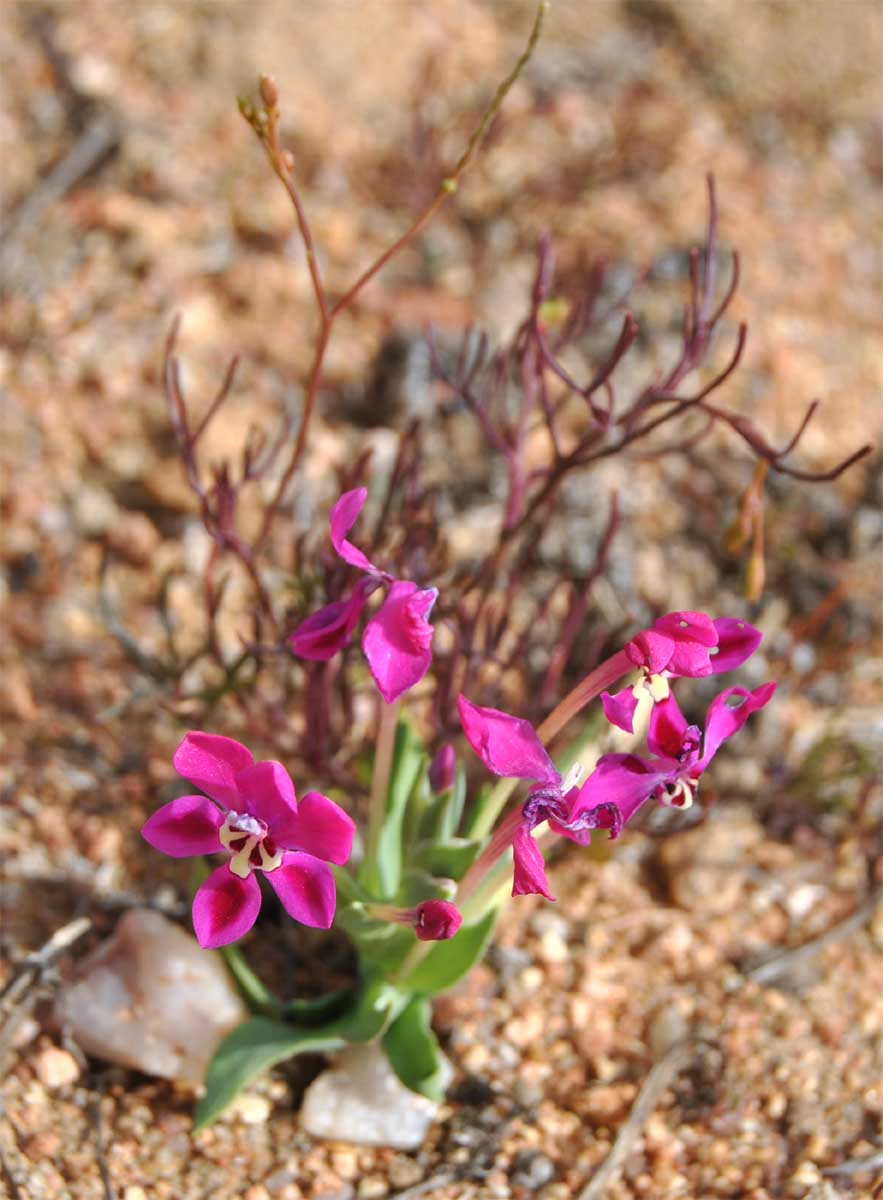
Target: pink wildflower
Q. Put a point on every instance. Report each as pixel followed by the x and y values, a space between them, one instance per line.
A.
pixel 252 815
pixel 688 644
pixel 681 753
pixel 397 641
pixel 620 783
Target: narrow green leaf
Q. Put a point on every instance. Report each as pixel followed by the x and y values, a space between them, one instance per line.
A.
pixel 248 1051
pixel 413 1050
pixel 256 995
pixel 381 871
pixel 449 859
pixel 312 1012
pixel 260 1043
pixel 447 962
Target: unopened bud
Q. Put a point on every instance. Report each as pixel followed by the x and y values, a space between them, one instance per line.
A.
pixel 269 91
pixel 436 920
pixel 443 769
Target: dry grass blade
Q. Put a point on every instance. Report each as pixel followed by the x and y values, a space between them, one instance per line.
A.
pixel 659 1078
pixel 775 968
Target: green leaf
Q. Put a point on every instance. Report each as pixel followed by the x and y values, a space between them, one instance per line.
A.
pixel 418 885
pixel 381 871
pixel 258 997
pixel 316 1011
pixel 449 961
pixel 449 859
pixel 413 1050
pixel 248 1051
pixel 260 1043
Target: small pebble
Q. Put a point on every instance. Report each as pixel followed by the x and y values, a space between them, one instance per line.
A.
pixel 251 1110
pixel 56 1068
pixel 373 1187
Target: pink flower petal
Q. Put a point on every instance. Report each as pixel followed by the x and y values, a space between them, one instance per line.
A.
pixel 343 517
pixel 212 762
pixel 650 650
pixel 507 746
pixel 184 827
pixel 668 726
pixel 688 626
pixel 320 827
pixel 397 641
pixel 623 780
pixel 327 631
pixel 620 709
pixel 737 641
pixel 224 908
pixel 690 660
pixel 266 792
pixel 305 885
pixel 529 878
pixel 724 718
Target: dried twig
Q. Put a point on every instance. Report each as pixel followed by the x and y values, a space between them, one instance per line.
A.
pixel 775 968
pixel 856 1166
pixel 8 1177
pixel 660 1077
pixel 442 1179
pixel 103 1169
pixel 35 964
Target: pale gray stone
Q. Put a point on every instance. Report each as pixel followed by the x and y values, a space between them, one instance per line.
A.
pixel 150 998
pixel 360 1099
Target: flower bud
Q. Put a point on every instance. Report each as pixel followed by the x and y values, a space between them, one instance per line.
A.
pixel 436 920
pixel 443 769
pixel 269 91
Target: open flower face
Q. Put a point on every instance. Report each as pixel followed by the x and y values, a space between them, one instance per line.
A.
pixel 250 813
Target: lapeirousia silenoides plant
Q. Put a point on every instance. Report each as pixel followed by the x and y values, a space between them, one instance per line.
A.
pixel 419 893
pixel 420 904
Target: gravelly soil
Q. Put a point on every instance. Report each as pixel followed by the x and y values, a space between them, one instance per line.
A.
pixel 605 142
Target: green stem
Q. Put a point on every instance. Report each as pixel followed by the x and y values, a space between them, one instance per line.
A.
pixel 383 756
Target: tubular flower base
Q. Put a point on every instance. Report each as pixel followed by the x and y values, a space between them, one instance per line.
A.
pixel 252 815
pixel 397 641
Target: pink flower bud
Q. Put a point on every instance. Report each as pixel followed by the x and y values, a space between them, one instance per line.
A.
pixel 443 769
pixel 436 920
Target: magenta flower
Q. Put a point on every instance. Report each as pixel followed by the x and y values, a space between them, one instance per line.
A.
pixel 397 641
pixel 681 753
pixel 620 783
pixel 253 816
pixel 509 747
pixel 688 644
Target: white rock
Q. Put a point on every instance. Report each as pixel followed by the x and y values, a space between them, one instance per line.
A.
pixel 360 1099
pixel 151 999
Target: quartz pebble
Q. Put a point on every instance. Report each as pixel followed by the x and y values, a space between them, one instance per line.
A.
pixel 55 1067
pixel 149 998
pixel 360 1099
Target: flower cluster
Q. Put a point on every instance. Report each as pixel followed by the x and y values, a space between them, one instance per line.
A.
pixel 397 641
pixel 679 644
pixel 250 813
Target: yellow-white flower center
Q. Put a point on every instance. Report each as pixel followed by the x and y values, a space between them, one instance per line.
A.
pixel 250 847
